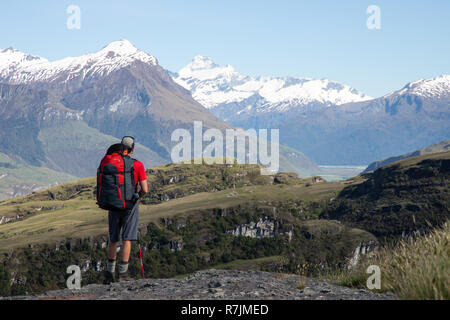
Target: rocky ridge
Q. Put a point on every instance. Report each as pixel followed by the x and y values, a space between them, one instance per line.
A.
pixel 216 285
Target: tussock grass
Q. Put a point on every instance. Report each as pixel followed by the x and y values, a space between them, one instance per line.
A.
pixel 416 269
pixel 302 272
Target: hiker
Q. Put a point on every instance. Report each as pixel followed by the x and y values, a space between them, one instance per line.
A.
pixel 129 181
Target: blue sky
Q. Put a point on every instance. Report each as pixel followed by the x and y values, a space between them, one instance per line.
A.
pixel 317 39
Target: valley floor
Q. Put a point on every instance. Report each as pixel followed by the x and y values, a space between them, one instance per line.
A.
pixel 216 285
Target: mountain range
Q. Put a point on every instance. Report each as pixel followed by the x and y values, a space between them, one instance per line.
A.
pixel 214 85
pixel 62 115
pixel 330 122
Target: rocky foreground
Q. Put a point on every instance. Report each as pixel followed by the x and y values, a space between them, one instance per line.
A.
pixel 216 285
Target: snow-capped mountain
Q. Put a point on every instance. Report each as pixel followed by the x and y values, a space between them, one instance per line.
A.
pixel 73 102
pixel 435 88
pixel 213 85
pixel 19 68
pixel 122 90
pixel 12 60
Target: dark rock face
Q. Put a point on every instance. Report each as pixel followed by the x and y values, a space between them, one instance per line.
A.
pixel 263 228
pixel 215 285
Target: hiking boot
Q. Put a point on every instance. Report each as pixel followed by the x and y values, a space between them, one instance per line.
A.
pixel 109 278
pixel 124 277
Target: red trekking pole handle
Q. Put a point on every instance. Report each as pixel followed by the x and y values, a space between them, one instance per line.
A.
pixel 142 264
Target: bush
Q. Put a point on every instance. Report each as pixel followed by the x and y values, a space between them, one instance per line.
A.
pixel 5 285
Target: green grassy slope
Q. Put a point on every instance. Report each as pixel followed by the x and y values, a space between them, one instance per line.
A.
pixel 76 148
pixel 18 178
pixel 70 211
pixel 72 150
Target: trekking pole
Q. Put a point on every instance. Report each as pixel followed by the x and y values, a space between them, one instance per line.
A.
pixel 142 264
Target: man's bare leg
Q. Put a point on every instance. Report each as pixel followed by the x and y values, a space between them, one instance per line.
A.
pixel 126 249
pixel 112 250
pixel 125 254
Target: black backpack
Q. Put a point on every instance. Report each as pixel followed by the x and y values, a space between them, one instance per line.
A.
pixel 115 180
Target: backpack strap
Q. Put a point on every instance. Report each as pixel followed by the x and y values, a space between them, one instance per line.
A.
pixel 130 185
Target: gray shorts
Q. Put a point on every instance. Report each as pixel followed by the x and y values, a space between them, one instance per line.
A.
pixel 127 221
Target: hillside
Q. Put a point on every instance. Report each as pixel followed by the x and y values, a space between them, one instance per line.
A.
pixel 192 189
pixel 195 217
pixel 18 178
pixel 398 199
pixel 200 217
pixel 437 147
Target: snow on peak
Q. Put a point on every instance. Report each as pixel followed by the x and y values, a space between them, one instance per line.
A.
pixel 428 88
pixel 17 67
pixel 11 59
pixel 16 55
pixel 124 46
pixel 202 62
pixel 203 68
pixel 124 49
pixel 212 85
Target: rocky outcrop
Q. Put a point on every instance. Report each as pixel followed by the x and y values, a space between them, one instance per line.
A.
pixel 173 245
pixel 22 189
pixel 263 228
pixel 4 219
pixel 363 249
pixel 87 265
pixel 24 213
pixel 215 285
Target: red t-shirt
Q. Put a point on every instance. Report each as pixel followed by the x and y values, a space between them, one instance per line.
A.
pixel 139 172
